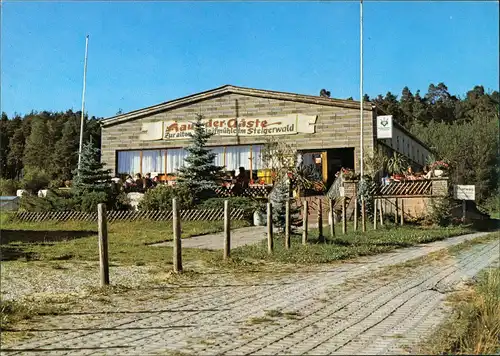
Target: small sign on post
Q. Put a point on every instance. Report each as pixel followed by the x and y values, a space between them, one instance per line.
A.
pixel 464 193
pixel 384 126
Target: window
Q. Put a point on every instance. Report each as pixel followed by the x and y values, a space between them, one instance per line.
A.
pixel 232 157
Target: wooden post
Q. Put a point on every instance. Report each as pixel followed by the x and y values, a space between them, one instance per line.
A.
pixel 270 245
pixel 355 213
pixel 287 224
pixel 375 213
pixel 381 212
pixel 177 237
pixel 332 218
pixel 464 210
pixel 395 210
pixel 363 214
pixel 402 212
pixel 344 220
pixel 355 227
pixel 227 230
pixel 321 237
pixel 103 244
pixel 305 218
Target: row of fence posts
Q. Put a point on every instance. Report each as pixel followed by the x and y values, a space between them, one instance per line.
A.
pixel 176 225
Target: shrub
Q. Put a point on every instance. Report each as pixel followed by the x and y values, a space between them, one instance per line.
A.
pixel 56 200
pixel 89 201
pixel 160 198
pixel 8 187
pixel 34 180
pixel 440 212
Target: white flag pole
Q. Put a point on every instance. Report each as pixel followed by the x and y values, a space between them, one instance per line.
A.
pixel 83 101
pixel 361 85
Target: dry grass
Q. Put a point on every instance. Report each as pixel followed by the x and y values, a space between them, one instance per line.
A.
pixel 474 327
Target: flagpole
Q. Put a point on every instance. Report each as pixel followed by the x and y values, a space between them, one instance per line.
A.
pixel 361 86
pixel 83 102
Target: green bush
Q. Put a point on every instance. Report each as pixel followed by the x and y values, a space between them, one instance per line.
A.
pixel 440 212
pixel 88 202
pixel 160 198
pixel 34 180
pixel 8 187
pixel 56 200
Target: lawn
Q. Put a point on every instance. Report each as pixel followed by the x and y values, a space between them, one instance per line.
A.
pixel 341 247
pixel 74 240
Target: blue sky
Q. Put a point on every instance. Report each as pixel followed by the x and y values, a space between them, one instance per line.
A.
pixel 144 53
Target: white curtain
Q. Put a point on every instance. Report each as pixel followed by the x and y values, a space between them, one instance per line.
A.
pixel 257 162
pixel 219 156
pixel 129 162
pixel 237 156
pixel 151 161
pixel 175 159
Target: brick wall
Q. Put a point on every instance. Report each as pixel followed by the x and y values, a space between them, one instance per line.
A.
pixel 336 127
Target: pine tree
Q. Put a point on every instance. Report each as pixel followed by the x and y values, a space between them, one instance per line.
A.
pixel 65 156
pixel 92 177
pixel 17 144
pixel 200 174
pixel 37 152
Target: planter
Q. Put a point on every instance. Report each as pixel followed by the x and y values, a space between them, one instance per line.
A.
pixel 438 172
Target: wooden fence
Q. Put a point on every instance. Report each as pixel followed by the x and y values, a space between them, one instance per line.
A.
pixel 128 215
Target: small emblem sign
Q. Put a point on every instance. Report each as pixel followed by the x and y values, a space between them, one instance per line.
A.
pixel 384 126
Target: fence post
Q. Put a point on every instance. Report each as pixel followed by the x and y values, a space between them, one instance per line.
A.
pixel 270 228
pixel 402 212
pixel 395 210
pixel 103 244
pixel 332 218
pixel 321 237
pixel 287 224
pixel 381 213
pixel 305 218
pixel 344 220
pixel 375 213
pixel 227 230
pixel 177 237
pixel 363 214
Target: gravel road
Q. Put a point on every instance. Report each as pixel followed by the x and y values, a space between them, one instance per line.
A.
pixel 348 308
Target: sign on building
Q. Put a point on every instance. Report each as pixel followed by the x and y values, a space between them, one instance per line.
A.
pixel 464 192
pixel 384 126
pixel 282 125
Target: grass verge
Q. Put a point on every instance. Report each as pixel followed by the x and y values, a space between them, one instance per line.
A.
pixel 342 247
pixel 474 327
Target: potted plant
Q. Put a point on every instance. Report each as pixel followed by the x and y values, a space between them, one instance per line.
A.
pixel 349 174
pixel 396 165
pixel 439 168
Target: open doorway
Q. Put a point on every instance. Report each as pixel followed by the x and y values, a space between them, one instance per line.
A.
pixel 328 162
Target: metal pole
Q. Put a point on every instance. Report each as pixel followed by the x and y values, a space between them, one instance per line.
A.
pixel 361 86
pixel 83 101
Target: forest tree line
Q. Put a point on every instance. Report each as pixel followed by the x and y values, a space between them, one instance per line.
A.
pixel 463 130
pixel 44 143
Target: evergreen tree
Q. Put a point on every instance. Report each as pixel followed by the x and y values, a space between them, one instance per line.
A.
pixel 92 176
pixel 200 174
pixel 4 145
pixel 65 156
pixel 16 148
pixel 37 152
pixel 278 198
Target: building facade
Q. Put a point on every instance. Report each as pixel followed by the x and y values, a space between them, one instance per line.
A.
pixel 326 131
